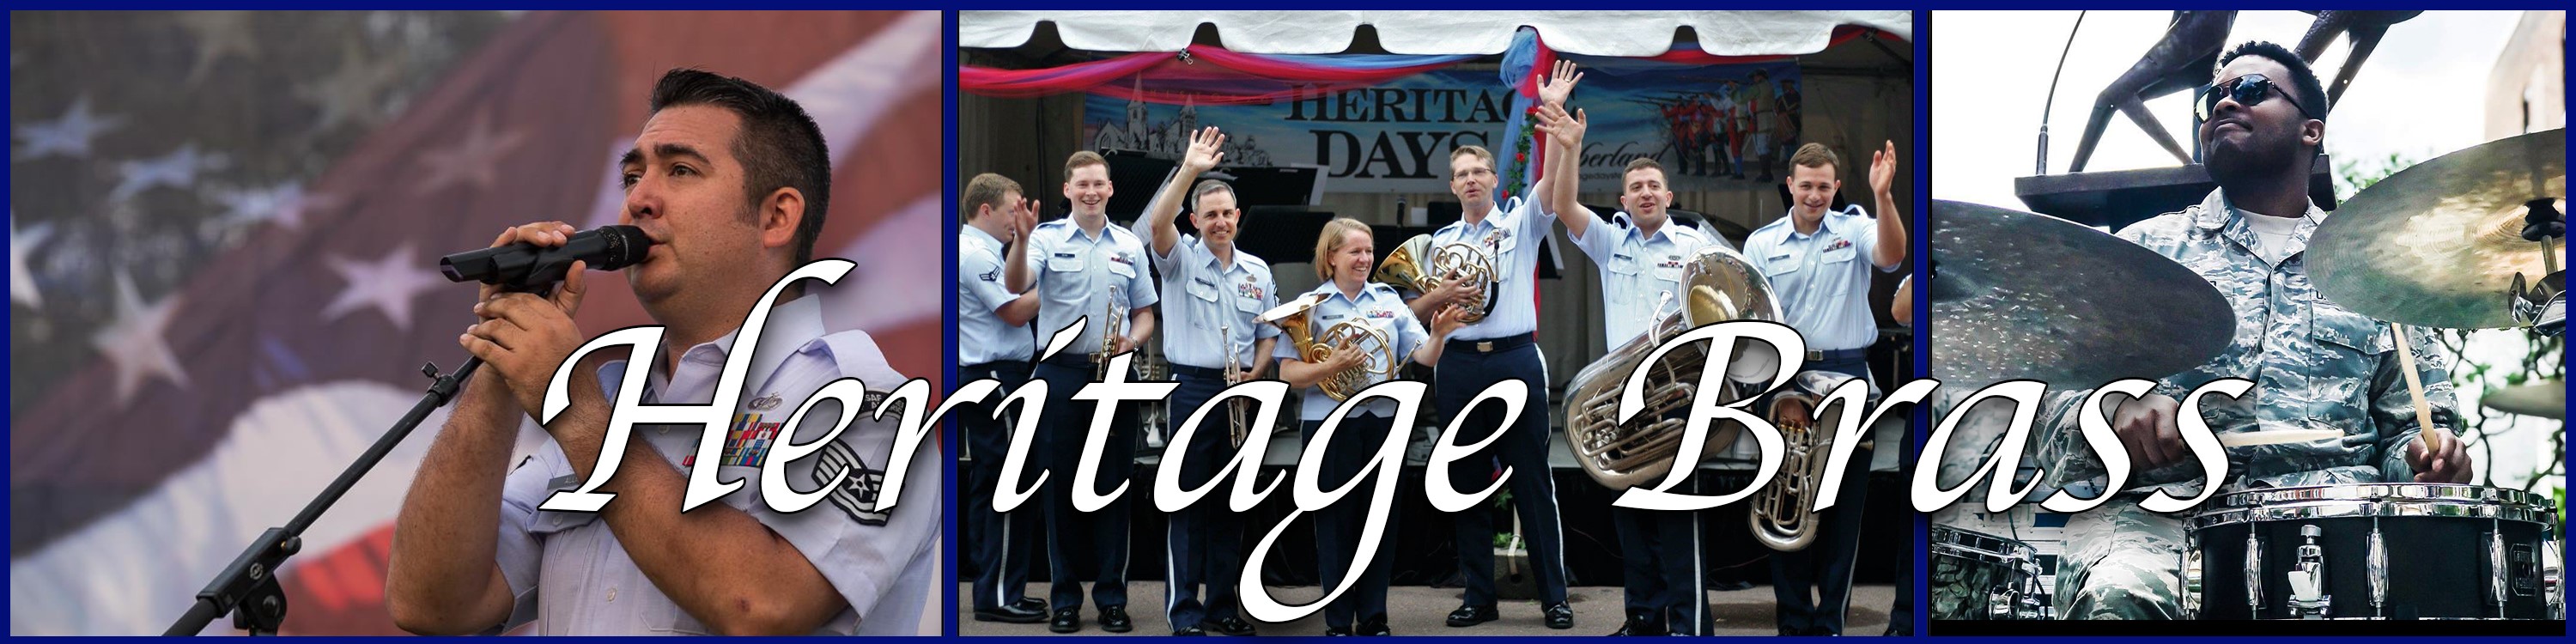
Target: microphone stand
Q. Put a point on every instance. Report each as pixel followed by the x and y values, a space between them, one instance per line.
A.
pixel 248 587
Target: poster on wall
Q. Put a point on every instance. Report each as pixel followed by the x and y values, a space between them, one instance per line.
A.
pixel 1713 127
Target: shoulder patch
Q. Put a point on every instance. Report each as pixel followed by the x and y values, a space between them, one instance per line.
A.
pixel 857 494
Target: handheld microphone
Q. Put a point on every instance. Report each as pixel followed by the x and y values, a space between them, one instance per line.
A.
pixel 605 248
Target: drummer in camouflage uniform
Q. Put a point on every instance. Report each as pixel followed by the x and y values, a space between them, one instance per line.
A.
pixel 2314 365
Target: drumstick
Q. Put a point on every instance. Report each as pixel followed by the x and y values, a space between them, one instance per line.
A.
pixel 2415 389
pixel 2276 437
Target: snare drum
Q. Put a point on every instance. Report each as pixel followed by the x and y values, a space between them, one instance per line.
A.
pixel 2373 551
pixel 1982 576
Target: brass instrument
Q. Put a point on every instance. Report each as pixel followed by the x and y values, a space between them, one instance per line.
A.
pixel 1406 268
pixel 1233 372
pixel 1781 518
pixel 1374 344
pixel 1718 285
pixel 1113 320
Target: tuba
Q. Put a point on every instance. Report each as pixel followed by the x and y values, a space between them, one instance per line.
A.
pixel 1718 285
pixel 1416 265
pixel 1781 516
pixel 1373 343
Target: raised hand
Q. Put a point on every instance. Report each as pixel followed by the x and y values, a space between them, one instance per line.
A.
pixel 1882 169
pixel 1566 130
pixel 1206 150
pixel 1559 84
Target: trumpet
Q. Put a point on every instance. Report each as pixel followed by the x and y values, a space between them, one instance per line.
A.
pixel 1406 268
pixel 1718 285
pixel 1376 349
pixel 1113 321
pixel 1233 372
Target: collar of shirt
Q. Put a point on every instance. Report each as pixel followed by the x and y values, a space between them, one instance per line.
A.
pixel 790 327
pixel 1216 266
pixel 1073 231
pixel 1826 224
pixel 2218 215
pixel 979 234
pixel 1627 224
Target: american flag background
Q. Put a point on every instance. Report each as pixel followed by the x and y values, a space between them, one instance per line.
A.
pixel 224 229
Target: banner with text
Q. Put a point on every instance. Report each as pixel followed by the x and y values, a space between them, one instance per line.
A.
pixel 1712 127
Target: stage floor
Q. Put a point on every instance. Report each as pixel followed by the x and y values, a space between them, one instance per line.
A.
pixel 1418 610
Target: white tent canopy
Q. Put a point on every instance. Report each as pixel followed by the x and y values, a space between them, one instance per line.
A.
pixel 1596 33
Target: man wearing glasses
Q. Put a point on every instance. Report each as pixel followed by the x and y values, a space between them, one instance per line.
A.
pixel 2314 364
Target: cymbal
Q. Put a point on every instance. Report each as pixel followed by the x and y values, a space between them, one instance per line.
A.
pixel 2544 398
pixel 2438 244
pixel 2022 295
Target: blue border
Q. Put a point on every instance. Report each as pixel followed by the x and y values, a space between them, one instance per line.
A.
pixel 948 316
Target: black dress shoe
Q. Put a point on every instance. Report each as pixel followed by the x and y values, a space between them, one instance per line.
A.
pixel 1114 619
pixel 1560 616
pixel 1013 614
pixel 1191 631
pixel 1032 604
pixel 1640 624
pixel 1374 627
pixel 1230 626
pixel 1336 631
pixel 1731 585
pixel 1066 620
pixel 1471 615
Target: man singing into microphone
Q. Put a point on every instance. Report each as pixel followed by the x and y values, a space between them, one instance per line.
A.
pixel 731 181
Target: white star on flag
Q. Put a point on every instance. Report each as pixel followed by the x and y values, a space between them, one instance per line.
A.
pixel 387 286
pixel 472 160
pixel 134 343
pixel 283 204
pixel 68 136
pixel 178 169
pixel 22 244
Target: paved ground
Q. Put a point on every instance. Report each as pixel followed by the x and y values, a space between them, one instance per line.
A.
pixel 1418 610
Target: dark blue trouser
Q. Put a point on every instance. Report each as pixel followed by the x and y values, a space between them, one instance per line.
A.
pixel 1000 540
pixel 1659 554
pixel 1339 527
pixel 1204 542
pixel 1060 439
pixel 1825 566
pixel 1463 374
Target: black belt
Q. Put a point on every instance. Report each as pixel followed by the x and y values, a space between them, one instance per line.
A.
pixel 1198 372
pixel 1490 345
pixel 1072 361
pixel 1837 355
pixel 1003 366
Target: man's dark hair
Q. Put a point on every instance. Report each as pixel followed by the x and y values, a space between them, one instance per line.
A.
pixel 2312 95
pixel 779 146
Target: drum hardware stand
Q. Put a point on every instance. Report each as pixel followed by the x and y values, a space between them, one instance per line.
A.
pixel 2308 599
pixel 2378 562
pixel 2543 306
pixel 2254 574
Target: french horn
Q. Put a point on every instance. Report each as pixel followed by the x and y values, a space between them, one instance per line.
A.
pixel 1717 285
pixel 1422 266
pixel 1376 347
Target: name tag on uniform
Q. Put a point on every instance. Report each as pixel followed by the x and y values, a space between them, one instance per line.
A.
pixel 1065 262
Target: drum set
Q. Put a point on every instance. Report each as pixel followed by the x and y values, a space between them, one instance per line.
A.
pixel 2469 240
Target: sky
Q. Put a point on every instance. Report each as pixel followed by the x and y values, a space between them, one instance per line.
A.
pixel 2421 93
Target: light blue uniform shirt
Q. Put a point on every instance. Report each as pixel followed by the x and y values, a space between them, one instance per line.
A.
pixel 1213 298
pixel 568 572
pixel 1379 307
pixel 1511 236
pixel 1822 279
pixel 1637 271
pixel 1075 273
pixel 982 336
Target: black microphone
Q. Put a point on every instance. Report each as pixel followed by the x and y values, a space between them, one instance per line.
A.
pixel 605 248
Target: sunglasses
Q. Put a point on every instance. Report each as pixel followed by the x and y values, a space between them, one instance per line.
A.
pixel 2248 90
